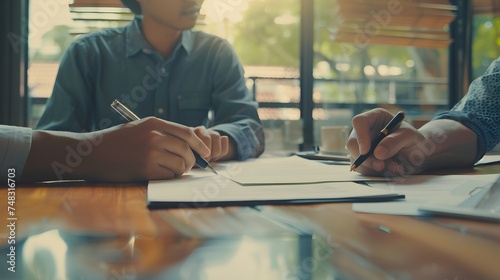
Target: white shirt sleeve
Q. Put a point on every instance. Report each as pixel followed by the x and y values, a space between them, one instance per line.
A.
pixel 15 145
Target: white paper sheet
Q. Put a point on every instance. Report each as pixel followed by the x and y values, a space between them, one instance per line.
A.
pixel 489 159
pixel 421 190
pixel 200 188
pixel 290 170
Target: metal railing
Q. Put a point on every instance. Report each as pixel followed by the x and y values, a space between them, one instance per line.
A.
pixel 408 100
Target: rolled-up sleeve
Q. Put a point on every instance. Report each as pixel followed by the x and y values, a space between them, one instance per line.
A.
pixel 479 110
pixel 15 144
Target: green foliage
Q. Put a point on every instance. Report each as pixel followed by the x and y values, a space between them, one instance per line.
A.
pixel 259 39
pixel 269 34
pixel 486 43
pixel 57 39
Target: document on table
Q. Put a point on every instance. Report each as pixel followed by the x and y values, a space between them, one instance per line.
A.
pixel 489 159
pixel 426 190
pixel 290 170
pixel 200 188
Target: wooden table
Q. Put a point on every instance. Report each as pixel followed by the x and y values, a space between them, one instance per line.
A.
pixel 105 231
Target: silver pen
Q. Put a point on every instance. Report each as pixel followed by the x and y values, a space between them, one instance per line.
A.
pixel 130 116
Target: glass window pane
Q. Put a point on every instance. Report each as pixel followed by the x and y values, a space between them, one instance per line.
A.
pixel 265 35
pixel 362 61
pixel 485 42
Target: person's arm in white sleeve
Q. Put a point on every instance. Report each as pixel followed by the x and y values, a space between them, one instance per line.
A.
pixel 15 144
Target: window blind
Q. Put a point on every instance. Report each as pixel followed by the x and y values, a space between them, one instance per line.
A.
pixel 389 22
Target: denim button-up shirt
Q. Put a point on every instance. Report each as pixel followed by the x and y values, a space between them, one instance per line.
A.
pixel 201 83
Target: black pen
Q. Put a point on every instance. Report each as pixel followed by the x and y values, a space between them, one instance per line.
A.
pixel 396 120
pixel 130 116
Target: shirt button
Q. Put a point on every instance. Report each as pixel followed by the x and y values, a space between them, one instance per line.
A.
pixel 163 70
pixel 146 51
pixel 161 111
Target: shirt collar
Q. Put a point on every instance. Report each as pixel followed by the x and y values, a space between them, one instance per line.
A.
pixel 136 42
pixel 187 40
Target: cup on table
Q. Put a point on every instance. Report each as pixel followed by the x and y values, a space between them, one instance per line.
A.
pixel 334 139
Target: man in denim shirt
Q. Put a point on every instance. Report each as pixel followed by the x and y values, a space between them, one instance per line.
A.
pixel 157 66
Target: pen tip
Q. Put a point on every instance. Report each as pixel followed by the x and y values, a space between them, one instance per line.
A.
pixel 213 170
pixel 353 167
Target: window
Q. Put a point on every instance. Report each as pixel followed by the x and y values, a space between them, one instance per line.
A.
pixel 265 35
pixel 486 35
pixel 389 54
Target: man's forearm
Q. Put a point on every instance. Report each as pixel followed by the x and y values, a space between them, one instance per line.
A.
pixel 56 156
pixel 448 144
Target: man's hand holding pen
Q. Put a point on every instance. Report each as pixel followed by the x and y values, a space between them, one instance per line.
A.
pixel 146 149
pixel 211 139
pixel 391 155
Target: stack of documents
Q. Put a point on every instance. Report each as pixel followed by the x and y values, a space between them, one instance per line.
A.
pixel 426 192
pixel 290 180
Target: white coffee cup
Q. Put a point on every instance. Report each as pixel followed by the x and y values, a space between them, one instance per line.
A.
pixel 334 139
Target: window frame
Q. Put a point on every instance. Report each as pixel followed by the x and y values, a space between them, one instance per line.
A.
pixel 14 52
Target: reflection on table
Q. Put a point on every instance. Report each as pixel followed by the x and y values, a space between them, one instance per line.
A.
pixel 55 254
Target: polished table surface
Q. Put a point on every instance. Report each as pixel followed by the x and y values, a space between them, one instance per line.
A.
pixel 78 230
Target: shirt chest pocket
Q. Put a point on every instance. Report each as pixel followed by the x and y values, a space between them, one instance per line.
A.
pixel 194 108
pixel 194 101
